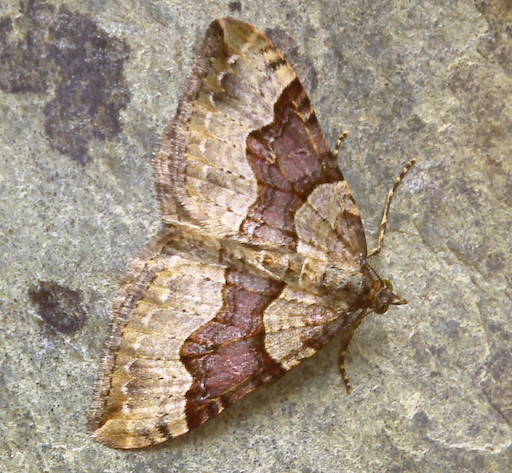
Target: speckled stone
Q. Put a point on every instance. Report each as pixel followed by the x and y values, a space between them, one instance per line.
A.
pixel 86 88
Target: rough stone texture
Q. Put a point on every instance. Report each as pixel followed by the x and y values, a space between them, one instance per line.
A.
pixel 84 97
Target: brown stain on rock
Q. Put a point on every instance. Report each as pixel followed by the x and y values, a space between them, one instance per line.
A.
pixel 59 306
pixel 235 6
pixel 53 50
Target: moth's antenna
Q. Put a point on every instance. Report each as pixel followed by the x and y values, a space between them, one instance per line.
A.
pixel 374 271
pixel 339 142
pixel 391 193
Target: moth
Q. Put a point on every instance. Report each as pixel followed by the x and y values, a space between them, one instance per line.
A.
pixel 262 258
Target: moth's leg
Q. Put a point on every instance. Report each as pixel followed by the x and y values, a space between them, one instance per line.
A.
pixel 339 142
pixel 387 205
pixel 343 349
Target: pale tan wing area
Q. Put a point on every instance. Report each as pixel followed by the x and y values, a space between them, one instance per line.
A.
pixel 140 394
pixel 297 325
pixel 202 173
pixel 329 227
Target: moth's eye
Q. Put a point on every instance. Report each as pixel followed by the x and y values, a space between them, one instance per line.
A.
pixel 388 284
pixel 382 309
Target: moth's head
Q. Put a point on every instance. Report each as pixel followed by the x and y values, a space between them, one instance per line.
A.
pixel 384 296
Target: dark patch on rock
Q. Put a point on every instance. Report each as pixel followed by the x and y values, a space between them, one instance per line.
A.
pixel 377 43
pixel 496 383
pixel 59 306
pixel 495 262
pixel 304 67
pixel 415 124
pixel 452 328
pixel 497 328
pixel 495 43
pixel 235 6
pixel 68 54
pixel 21 68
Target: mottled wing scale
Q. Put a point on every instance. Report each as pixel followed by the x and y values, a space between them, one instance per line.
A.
pixel 244 163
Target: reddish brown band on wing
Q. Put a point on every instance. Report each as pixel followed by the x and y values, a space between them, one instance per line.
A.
pixel 227 357
pixel 289 158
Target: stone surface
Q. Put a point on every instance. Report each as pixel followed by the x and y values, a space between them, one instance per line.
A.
pixel 84 97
